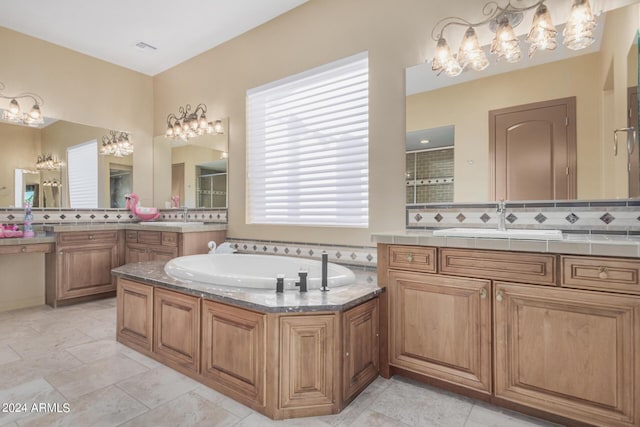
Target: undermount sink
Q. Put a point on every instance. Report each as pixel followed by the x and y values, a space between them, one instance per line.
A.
pixel 170 223
pixel 500 234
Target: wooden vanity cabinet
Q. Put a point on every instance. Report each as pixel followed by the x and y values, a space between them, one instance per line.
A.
pixel 569 352
pixel 234 351
pixel 176 329
pixel 360 348
pixel 441 327
pixel 81 266
pixel 565 330
pixel 135 315
pixel 146 245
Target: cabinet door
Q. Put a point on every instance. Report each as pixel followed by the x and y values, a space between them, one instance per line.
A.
pixel 177 329
pixel 136 253
pixel 243 369
pixel 441 327
pixel 569 352
pixel 161 253
pixel 86 270
pixel 307 360
pixel 360 343
pixel 135 314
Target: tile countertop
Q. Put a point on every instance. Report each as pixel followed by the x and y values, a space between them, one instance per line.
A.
pixel 291 301
pixel 575 244
pixel 179 227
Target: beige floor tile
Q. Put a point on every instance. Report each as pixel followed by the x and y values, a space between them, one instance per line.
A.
pixel 189 410
pixel 370 418
pixel 106 407
pixel 18 372
pixel 359 404
pixel 26 395
pixel 89 352
pixel 258 420
pixel 7 354
pixel 483 415
pixel 158 385
pixel 35 347
pixel 236 408
pixel 419 405
pixel 90 377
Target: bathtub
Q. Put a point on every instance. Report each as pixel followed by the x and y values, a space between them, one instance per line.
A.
pixel 254 271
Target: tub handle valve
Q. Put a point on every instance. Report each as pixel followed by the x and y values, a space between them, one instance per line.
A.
pixel 280 284
pixel 325 266
pixel 302 281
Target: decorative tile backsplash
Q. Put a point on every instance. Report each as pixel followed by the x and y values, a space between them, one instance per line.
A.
pixel 351 255
pixel 99 216
pixel 584 216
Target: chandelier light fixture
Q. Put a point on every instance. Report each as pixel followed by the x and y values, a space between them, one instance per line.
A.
pixel 116 144
pixel 578 34
pixel 187 124
pixel 15 115
pixel 47 162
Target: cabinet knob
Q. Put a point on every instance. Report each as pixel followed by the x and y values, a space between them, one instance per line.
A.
pixel 60 253
pixel 603 274
pixel 483 293
pixel 23 249
pixel 90 236
pixel 499 296
pixel 347 354
pixel 410 257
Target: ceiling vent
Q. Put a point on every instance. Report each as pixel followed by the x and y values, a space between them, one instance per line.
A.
pixel 145 46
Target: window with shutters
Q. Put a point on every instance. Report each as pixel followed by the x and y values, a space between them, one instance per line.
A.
pixel 82 166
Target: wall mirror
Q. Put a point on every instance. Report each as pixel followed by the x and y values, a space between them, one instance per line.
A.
pixel 191 173
pixel 22 145
pixel 600 79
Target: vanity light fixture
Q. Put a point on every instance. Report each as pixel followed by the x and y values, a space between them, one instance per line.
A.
pixel 47 162
pixel 578 34
pixel 116 144
pixel 14 113
pixel 188 124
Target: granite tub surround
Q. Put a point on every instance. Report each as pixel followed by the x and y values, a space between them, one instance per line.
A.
pixel 608 244
pixel 290 301
pixel 572 216
pixel 362 256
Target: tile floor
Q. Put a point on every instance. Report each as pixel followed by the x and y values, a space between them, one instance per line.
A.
pixel 68 358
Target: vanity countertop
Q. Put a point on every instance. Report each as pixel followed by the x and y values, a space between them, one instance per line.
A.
pixel 337 299
pixel 179 227
pixel 21 241
pixel 577 244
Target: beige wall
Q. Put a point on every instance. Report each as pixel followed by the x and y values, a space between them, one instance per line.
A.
pixel 467 105
pixel 82 89
pixel 393 32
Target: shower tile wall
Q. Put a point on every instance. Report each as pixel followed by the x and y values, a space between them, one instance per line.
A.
pixel 429 165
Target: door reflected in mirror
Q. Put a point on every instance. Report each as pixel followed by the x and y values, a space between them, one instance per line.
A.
pixel 120 184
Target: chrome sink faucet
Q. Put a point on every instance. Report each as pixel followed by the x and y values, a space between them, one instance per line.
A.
pixel 501 210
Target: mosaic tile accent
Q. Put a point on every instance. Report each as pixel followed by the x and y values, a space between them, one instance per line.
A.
pixel 570 216
pixel 350 255
pixel 511 218
pixel 461 217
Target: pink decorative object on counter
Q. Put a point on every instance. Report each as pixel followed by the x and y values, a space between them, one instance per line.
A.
pixel 145 214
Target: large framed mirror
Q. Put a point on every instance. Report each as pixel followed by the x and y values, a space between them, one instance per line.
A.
pixel 50 186
pixel 600 79
pixel 198 166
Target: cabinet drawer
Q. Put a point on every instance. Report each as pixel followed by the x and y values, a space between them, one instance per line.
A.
pixel 150 237
pixel 414 258
pixel 75 237
pixel 26 249
pixel 169 239
pixel 132 236
pixel 514 267
pixel 609 274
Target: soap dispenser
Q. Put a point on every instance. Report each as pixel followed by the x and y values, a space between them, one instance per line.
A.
pixel 28 219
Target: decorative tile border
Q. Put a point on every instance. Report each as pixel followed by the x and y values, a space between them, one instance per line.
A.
pixel 597 216
pixel 105 216
pixel 366 256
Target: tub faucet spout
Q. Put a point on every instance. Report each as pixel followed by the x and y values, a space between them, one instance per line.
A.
pixel 280 283
pixel 325 265
pixel 501 210
pixel 302 283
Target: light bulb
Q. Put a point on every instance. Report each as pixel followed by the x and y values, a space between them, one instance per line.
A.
pixel 578 31
pixel 470 52
pixel 35 113
pixel 14 107
pixel 203 122
pixel 217 127
pixel 505 43
pixel 543 33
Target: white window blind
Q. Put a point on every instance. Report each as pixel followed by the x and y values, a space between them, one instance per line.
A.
pixel 308 147
pixel 82 166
